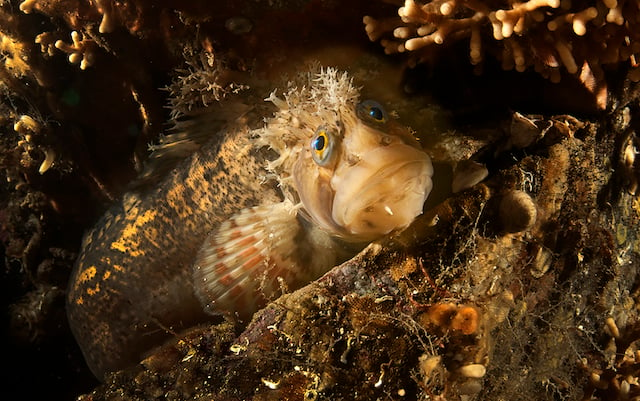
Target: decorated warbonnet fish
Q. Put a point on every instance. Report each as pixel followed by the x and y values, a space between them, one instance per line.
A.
pixel 249 214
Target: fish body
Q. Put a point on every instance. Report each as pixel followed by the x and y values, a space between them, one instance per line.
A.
pixel 250 213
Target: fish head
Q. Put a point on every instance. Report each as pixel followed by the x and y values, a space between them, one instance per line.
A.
pixel 354 171
pixel 362 175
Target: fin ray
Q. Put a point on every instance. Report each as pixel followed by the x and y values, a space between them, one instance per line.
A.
pixel 188 135
pixel 239 264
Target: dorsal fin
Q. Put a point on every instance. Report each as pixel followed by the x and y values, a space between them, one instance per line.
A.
pixel 187 136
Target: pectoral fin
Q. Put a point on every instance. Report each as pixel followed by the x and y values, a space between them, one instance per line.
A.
pixel 244 261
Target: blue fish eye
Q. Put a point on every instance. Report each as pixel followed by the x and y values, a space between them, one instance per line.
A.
pixel 372 112
pixel 376 114
pixel 322 146
pixel 319 143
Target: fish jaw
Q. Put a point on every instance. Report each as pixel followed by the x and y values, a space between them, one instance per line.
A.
pixel 384 191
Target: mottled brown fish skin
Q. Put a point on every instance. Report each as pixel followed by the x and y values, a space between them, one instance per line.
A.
pixel 132 283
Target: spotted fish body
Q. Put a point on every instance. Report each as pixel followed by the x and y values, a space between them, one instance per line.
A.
pixel 133 280
pixel 251 213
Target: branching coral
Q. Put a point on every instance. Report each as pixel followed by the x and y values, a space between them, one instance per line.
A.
pixel 88 21
pixel 106 10
pixel 108 23
pixel 580 35
pixel 80 50
pixel 27 127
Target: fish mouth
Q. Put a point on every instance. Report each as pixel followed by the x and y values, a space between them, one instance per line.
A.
pixel 383 192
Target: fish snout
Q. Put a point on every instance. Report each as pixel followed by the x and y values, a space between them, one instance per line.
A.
pixel 383 192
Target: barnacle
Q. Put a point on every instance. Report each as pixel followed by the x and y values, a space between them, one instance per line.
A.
pixel 467 173
pixel 517 211
pixel 580 36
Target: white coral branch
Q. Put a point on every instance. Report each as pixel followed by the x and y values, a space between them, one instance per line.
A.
pixel 80 50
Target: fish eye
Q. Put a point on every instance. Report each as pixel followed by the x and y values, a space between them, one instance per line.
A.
pixel 371 111
pixel 322 146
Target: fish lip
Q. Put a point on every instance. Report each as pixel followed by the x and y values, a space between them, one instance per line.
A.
pixel 372 186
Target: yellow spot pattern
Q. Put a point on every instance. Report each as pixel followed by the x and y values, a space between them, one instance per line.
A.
pixel 196 187
pixel 129 240
pixel 87 274
pixel 175 199
pixel 93 291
